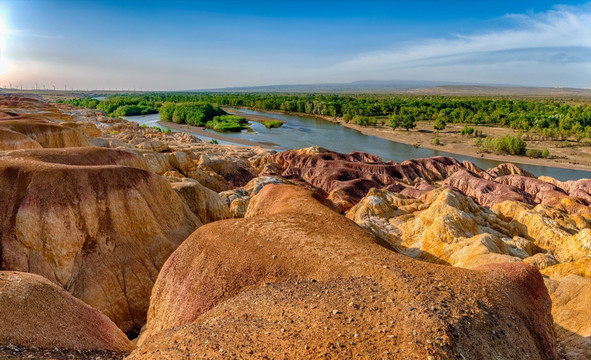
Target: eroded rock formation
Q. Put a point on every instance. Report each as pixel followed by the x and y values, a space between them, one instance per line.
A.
pixel 364 299
pixel 456 214
pixel 346 178
pixel 91 221
pixel 294 276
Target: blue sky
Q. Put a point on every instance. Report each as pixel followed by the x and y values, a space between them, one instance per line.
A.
pixel 172 45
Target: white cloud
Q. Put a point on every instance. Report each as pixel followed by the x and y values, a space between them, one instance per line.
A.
pixel 561 36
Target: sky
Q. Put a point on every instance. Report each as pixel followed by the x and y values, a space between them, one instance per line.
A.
pixel 181 45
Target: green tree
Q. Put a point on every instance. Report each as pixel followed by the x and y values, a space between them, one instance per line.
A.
pixel 395 121
pixel 439 124
pixel 408 122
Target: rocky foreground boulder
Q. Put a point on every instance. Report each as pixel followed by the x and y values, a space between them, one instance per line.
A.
pixel 295 278
pixel 38 315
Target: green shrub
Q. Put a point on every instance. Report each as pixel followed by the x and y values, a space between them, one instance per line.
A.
pixel 128 110
pixel 466 130
pixel 537 153
pixel 436 141
pixel 225 126
pixel 361 120
pixel 214 141
pixel 196 114
pixel 230 118
pixel 166 112
pixel 507 144
pixel 439 124
pixel 533 153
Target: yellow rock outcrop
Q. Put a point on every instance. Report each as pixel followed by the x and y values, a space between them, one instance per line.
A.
pixel 446 228
pixel 571 310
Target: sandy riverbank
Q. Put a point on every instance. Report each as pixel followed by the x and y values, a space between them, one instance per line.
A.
pixel 576 156
pixel 250 117
pixel 452 142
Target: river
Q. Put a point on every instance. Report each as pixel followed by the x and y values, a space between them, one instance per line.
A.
pixel 304 131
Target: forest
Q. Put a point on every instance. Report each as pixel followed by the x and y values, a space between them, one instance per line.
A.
pixel 555 119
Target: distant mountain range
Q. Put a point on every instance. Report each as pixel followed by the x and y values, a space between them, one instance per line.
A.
pixel 410 87
pixel 362 85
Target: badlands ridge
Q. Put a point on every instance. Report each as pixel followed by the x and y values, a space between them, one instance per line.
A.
pixel 121 241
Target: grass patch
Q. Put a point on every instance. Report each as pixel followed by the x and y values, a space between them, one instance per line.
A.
pixel 272 124
pixel 227 123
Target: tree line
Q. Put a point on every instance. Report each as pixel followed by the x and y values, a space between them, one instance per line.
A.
pixel 550 118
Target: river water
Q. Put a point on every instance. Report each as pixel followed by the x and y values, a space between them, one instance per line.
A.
pixel 303 131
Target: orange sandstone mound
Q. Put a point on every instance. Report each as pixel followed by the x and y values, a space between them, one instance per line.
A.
pixel 295 279
pixel 37 314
